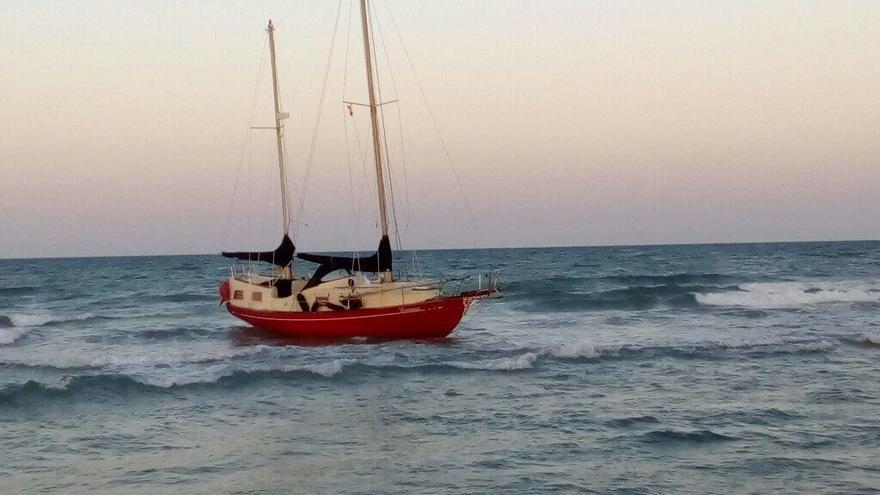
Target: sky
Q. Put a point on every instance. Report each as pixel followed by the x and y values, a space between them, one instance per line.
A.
pixel 124 125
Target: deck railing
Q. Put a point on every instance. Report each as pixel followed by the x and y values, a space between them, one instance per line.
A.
pixel 487 283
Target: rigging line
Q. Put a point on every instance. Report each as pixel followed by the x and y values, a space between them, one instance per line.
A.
pixel 285 177
pixel 372 17
pixel 287 169
pixel 246 140
pixel 348 166
pixel 250 203
pixel 345 126
pixel 363 151
pixel 403 164
pixel 317 123
pixel 290 11
pixel 287 173
pixel 391 187
pixel 271 190
pixel 347 44
pixel 436 126
pixel 407 209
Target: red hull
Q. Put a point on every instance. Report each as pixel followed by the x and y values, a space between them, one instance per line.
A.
pixel 428 320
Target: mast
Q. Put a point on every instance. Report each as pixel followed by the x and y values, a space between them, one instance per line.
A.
pixel 374 121
pixel 279 132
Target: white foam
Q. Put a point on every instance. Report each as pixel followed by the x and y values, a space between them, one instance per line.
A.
pixel 772 295
pixel 29 320
pixel 160 358
pixel 216 373
pixel 10 335
pixel 122 361
pixel 572 350
pixel 40 319
pixel 521 362
pixel 331 368
pixel 21 324
pixel 168 381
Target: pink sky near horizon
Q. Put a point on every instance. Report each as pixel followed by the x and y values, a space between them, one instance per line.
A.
pixel 569 123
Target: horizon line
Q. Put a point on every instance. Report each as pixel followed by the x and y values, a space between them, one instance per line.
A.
pixel 729 243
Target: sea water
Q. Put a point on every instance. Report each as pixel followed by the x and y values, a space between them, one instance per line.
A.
pixel 706 369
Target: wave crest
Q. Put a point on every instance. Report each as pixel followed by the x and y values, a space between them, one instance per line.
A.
pixel 863 340
pixel 572 350
pixel 771 295
pixel 15 325
pixel 41 319
pixel 14 291
pixel 29 319
pixel 520 362
pixel 10 335
pixel 123 383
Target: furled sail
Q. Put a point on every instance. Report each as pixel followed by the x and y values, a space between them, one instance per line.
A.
pixel 380 261
pixel 281 256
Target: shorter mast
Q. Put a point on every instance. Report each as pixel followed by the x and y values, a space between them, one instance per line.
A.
pixel 385 276
pixel 279 133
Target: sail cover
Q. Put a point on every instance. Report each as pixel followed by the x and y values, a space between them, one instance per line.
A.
pixel 281 256
pixel 380 261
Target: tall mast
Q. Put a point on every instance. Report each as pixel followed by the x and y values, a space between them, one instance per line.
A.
pixel 279 132
pixel 374 120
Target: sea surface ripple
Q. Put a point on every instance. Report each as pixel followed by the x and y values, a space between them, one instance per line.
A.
pixel 748 368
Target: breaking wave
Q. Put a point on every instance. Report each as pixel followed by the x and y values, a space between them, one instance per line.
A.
pixel 10 335
pixel 34 320
pixel 15 325
pixel 573 350
pixel 680 290
pixel 237 376
pixel 28 320
pixel 225 377
pixel 125 383
pixel 586 350
pixel 520 362
pixel 771 295
pixel 236 366
pixel 242 357
pixel 138 358
pixel 632 298
pixel 42 319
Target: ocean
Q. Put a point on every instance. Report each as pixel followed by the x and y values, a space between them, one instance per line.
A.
pixel 742 368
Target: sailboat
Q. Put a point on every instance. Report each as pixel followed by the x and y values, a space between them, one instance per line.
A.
pixel 345 296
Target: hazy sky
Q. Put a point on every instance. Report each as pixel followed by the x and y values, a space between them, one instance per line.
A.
pixel 122 123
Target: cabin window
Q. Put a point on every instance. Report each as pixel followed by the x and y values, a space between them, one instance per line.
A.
pixel 257 296
pixel 239 294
